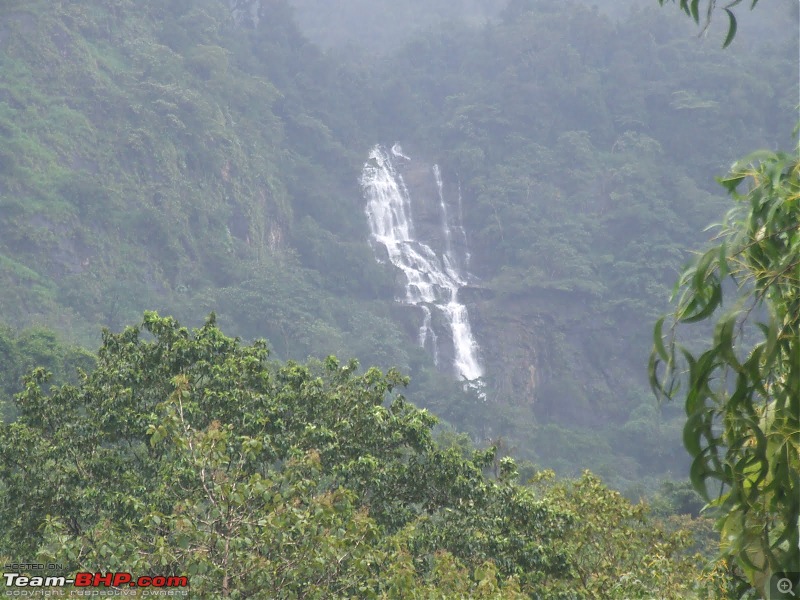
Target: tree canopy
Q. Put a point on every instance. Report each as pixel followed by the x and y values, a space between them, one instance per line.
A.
pixel 191 453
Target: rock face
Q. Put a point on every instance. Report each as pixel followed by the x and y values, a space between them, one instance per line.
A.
pixel 415 221
pixel 533 356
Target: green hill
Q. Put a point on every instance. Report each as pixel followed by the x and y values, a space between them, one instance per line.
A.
pixel 190 158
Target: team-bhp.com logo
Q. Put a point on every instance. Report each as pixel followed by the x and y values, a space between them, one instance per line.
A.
pixel 113 580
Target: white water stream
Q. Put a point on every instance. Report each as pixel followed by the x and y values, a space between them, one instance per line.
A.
pixel 432 280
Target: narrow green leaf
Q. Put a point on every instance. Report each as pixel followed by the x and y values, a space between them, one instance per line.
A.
pixel 692 434
pixel 723 260
pixel 713 302
pixel 698 475
pixel 652 375
pixel 658 339
pixel 723 334
pixel 695 10
pixel 731 28
pixel 772 337
pixel 731 182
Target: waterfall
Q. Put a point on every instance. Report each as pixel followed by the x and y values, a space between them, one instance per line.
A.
pixel 426 331
pixel 433 278
pixel 448 236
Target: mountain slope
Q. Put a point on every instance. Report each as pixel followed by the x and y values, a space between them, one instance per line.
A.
pixel 150 159
pixel 189 158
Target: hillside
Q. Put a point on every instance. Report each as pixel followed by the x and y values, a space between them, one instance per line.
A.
pixel 190 158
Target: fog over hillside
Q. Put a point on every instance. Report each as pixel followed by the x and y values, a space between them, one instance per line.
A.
pixel 346 299
pixel 381 26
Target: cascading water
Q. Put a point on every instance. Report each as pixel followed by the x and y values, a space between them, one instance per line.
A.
pixel 426 331
pixel 432 279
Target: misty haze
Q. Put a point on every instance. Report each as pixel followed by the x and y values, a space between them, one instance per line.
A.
pixel 356 298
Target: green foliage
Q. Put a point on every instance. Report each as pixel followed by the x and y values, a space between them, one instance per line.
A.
pixel 616 550
pixel 743 392
pixel 22 351
pixel 173 176
pixel 191 453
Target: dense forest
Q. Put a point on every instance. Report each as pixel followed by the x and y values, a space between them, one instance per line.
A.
pixel 204 160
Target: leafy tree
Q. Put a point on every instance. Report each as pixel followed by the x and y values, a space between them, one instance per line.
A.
pixel 22 351
pixel 743 392
pixel 617 550
pixel 190 452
